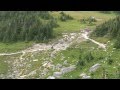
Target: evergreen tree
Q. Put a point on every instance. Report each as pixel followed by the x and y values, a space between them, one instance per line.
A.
pixel 26 26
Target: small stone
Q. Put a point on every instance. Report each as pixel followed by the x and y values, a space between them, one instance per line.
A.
pixel 45 63
pixel 51 77
pixel 35 60
pixel 86 77
pixel 23 76
pixel 83 74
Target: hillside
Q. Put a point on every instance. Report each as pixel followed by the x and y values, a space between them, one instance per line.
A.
pixel 80 45
pixel 26 26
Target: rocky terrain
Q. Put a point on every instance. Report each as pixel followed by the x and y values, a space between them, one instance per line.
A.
pixel 20 65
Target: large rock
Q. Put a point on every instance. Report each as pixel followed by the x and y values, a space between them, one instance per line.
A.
pixel 84 76
pixel 94 67
pixel 57 74
pixel 68 69
pixel 51 77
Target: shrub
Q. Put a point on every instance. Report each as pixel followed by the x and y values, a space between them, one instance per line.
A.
pixel 110 61
pixel 117 43
pixel 81 63
pixel 65 17
pixel 88 57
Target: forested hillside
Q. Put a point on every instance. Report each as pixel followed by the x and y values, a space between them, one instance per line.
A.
pixel 26 26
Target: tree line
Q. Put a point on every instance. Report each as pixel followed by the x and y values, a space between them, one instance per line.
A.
pixel 26 26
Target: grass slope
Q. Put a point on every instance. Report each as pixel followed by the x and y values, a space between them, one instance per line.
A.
pixel 75 24
pixel 14 47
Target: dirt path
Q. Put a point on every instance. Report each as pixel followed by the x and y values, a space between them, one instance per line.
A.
pixel 101 45
pixel 61 44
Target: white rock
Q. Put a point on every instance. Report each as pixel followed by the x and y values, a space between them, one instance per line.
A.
pixel 86 77
pixel 94 67
pixel 57 74
pixel 23 76
pixel 83 74
pixel 35 60
pixel 72 37
pixel 51 77
pixel 68 69
pixel 44 64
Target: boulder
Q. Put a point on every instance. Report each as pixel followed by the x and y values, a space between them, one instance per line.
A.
pixel 68 69
pixel 84 76
pixel 57 74
pixel 94 67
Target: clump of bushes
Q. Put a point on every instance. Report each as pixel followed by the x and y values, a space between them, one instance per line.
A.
pixel 88 57
pixel 85 58
pixel 110 61
pixel 65 17
pixel 89 20
pixel 81 63
pixel 117 43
